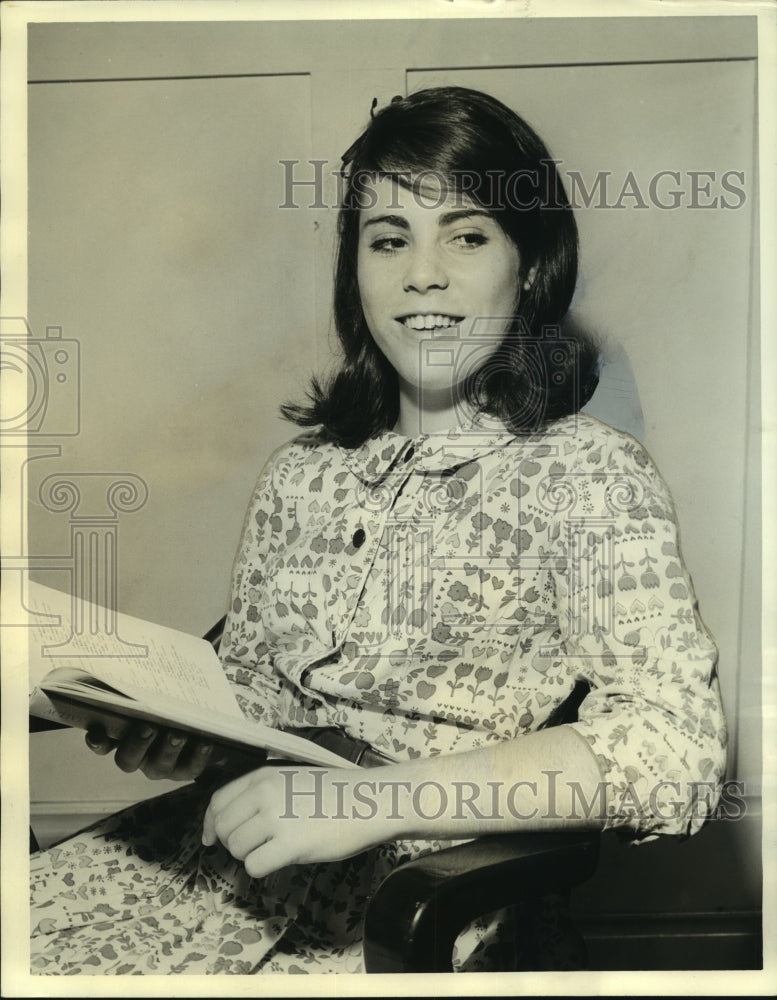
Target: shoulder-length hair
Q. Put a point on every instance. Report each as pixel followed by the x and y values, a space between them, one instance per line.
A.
pixel 477 147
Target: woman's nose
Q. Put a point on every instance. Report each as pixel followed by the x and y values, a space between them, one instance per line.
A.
pixel 424 271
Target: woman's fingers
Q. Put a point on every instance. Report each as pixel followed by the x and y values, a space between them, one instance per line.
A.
pixel 236 823
pixel 157 752
pixel 250 817
pixel 220 800
pixel 134 746
pixel 244 837
pixel 174 755
pixel 98 741
pixel 269 857
pixel 199 755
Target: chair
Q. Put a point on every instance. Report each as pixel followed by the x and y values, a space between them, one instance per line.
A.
pixel 413 919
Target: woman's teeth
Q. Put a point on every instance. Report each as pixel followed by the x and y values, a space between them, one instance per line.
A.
pixel 430 322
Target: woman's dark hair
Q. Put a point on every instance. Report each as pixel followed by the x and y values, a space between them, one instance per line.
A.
pixel 479 148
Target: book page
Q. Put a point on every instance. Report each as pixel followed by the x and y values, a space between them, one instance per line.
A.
pixel 128 653
pixel 173 677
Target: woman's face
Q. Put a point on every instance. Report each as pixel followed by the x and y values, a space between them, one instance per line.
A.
pixel 439 282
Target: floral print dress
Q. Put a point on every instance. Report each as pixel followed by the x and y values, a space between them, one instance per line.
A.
pixel 429 596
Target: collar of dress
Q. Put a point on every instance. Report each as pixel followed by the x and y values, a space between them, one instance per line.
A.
pixel 440 452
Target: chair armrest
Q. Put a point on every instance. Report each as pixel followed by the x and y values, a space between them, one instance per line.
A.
pixel 421 907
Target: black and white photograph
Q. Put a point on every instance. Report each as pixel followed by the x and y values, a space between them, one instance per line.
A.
pixel 386 440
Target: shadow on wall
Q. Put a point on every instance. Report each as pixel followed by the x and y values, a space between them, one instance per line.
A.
pixel 616 398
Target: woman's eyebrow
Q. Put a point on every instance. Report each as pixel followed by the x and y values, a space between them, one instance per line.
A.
pixel 446 219
pixel 462 213
pixel 389 220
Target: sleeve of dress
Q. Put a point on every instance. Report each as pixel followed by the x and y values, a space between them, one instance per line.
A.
pixel 631 628
pixel 243 651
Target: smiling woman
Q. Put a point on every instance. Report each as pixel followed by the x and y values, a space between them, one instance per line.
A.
pixel 432 576
pixel 442 151
pixel 425 267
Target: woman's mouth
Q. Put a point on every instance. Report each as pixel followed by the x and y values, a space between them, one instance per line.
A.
pixel 429 321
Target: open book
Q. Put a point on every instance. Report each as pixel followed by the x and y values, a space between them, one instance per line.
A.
pixel 109 668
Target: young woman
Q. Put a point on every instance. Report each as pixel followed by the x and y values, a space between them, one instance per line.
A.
pixel 439 570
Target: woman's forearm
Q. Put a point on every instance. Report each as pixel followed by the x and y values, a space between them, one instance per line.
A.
pixel 548 780
pixel 295 814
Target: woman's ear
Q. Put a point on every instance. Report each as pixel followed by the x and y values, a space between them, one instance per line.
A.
pixel 530 276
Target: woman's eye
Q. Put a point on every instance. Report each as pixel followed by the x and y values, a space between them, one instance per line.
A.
pixel 387 244
pixel 470 240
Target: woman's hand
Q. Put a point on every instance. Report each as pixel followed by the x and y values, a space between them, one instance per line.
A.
pixel 156 751
pixel 296 814
pixel 276 817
